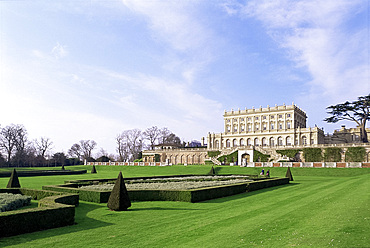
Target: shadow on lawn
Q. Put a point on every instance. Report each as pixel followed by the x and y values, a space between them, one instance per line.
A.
pixel 247 194
pixel 82 223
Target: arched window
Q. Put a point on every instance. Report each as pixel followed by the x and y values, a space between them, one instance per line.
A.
pixel 249 142
pixel 235 143
pixel 288 141
pixel 217 144
pixel 241 142
pixel 280 141
pixel 304 140
pixel 272 142
pixel 264 141
pixel 227 143
pixel 256 142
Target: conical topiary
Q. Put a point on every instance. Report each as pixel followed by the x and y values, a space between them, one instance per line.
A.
pixel 289 174
pixel 119 199
pixel 63 167
pixel 212 172
pixel 13 181
pixel 93 170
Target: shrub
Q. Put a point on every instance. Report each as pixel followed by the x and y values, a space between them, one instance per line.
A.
pixel 9 201
pixel 289 174
pixel 13 181
pixel 119 199
pixel 213 153
pixel 289 152
pixel 260 157
pixel 93 170
pixel 332 154
pixel 230 158
pixel 312 154
pixel 355 154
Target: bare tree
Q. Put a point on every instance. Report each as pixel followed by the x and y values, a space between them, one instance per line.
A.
pixel 13 140
pixel 43 146
pixel 8 141
pixel 129 144
pixel 75 151
pixel 87 146
pixel 152 134
pixel 164 133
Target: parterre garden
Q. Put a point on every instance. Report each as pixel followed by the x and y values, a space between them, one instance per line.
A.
pixel 322 207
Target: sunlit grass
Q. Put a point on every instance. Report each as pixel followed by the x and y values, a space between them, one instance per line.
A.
pixel 320 208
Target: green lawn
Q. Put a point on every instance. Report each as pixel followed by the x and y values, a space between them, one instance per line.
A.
pixel 320 208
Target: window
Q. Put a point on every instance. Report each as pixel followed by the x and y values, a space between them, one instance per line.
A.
pixel 288 141
pixel 272 125
pixel 280 141
pixel 288 115
pixel 242 128
pixel 242 119
pixel 227 143
pixel 288 125
pixel 256 142
pixel 264 126
pixel 264 117
pixel 249 142
pixel 228 120
pixel 256 127
pixel 272 142
pixel 241 142
pixel 272 117
pixel 256 117
pixel 249 127
pixel 304 140
pixel 249 119
pixel 235 128
pixel 280 116
pixel 228 128
pixel 264 141
pixel 235 144
pixel 280 126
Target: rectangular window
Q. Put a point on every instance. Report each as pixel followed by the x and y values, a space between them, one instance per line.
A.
pixel 256 118
pixel 288 115
pixel 272 126
pixel 264 117
pixel 280 116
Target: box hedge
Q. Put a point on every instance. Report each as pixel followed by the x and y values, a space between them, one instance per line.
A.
pixel 55 210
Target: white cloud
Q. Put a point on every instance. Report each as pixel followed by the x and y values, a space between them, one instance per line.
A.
pixel 316 36
pixel 59 51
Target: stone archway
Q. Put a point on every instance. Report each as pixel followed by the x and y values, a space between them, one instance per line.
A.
pixel 245 158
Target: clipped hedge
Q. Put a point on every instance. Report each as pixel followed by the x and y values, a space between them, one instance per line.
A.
pixel 332 154
pixel 289 152
pixel 213 153
pixel 312 154
pixel 194 195
pixel 230 158
pixel 355 154
pixel 10 201
pixel 53 211
pixel 34 173
pixel 260 157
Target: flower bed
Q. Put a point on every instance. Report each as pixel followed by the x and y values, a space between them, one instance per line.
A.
pixel 173 183
pixel 10 201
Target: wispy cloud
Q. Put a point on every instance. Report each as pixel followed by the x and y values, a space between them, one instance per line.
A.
pixel 316 37
pixel 59 51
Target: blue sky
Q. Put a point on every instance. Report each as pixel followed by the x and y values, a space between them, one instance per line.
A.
pixel 73 70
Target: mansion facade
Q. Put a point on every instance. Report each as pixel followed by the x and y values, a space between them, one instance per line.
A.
pixel 267 127
pixel 263 129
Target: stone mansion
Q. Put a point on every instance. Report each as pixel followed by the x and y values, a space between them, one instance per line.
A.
pixel 263 129
pixel 272 126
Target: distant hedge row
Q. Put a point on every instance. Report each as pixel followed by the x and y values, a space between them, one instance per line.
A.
pixel 34 173
pixel 53 211
pixel 194 195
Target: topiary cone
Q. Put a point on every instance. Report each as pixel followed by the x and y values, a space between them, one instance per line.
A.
pixel 212 172
pixel 13 181
pixel 63 167
pixel 289 174
pixel 119 199
pixel 93 170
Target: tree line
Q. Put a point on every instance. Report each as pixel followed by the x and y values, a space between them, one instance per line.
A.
pixel 16 149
